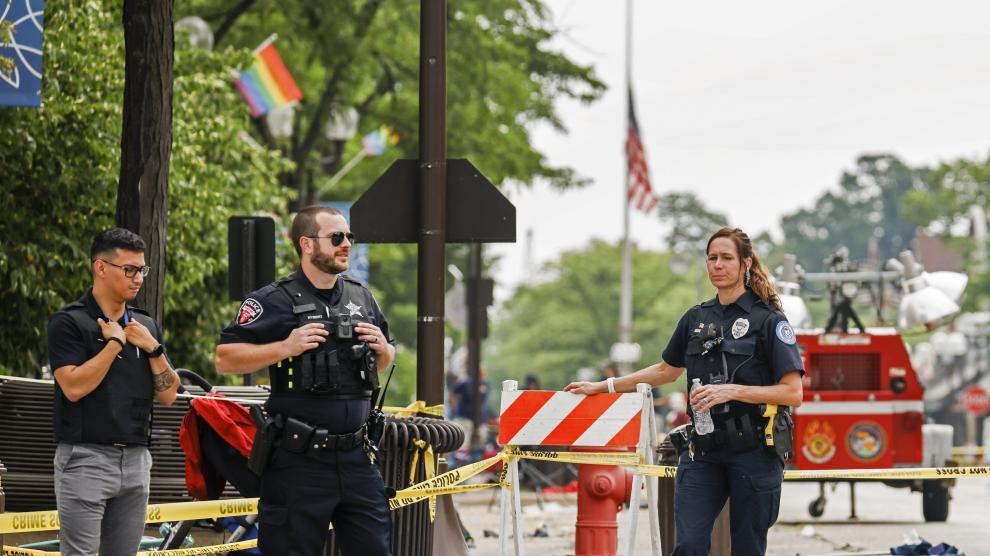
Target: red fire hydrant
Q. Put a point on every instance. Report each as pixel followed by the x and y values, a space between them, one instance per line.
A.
pixel 602 489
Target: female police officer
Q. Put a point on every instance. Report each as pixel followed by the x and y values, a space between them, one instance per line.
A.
pixel 743 350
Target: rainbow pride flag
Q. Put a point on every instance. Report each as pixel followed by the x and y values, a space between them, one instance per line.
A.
pixel 267 84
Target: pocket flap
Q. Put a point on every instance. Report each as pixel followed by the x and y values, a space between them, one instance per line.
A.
pixel 766 482
pixel 744 346
pixel 273 514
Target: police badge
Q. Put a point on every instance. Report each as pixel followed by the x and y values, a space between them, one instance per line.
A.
pixel 740 328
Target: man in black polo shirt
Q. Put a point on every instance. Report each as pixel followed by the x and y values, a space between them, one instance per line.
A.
pixel 324 340
pixel 109 365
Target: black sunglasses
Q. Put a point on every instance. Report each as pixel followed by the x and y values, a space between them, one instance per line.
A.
pixel 336 238
pixel 130 270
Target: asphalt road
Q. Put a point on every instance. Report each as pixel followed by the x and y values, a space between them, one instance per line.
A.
pixel 885 516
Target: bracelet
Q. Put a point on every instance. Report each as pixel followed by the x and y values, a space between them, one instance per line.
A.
pixel 610 382
pixel 116 339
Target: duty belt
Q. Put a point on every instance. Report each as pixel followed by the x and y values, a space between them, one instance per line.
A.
pixel 315 442
pixel 739 435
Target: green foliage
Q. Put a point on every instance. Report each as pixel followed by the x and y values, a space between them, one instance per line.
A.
pixel 943 206
pixel 60 166
pixel 569 321
pixel 868 206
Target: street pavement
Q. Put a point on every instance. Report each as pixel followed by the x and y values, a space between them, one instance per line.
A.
pixel 885 516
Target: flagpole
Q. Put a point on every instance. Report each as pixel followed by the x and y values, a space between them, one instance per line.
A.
pixel 625 299
pixel 271 38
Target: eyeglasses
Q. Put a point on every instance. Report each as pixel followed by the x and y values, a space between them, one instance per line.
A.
pixel 130 270
pixel 336 238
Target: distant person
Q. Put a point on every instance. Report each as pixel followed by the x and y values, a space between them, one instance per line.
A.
pixel 462 400
pixel 531 382
pixel 742 349
pixel 610 370
pixel 110 366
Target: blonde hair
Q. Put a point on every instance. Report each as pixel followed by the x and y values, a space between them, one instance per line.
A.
pixel 759 281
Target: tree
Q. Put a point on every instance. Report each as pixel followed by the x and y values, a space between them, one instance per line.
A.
pixel 146 140
pixel 569 321
pixel 868 206
pixel 60 165
pixel 944 206
pixel 502 78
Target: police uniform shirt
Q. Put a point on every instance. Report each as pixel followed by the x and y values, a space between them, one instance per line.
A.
pixel 776 342
pixel 266 316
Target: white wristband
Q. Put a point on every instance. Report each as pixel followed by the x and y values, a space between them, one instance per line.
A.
pixel 610 382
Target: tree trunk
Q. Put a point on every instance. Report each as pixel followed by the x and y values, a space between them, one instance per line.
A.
pixel 146 141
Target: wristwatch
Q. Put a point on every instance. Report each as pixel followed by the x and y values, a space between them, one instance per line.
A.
pixel 157 352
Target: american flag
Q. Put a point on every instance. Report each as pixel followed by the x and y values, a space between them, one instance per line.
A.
pixel 641 193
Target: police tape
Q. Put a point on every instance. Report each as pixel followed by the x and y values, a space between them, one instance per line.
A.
pixel 16 551
pixel 28 522
pixel 974 451
pixel 415 409
pixel 454 477
pixel 902 473
pixel 193 551
pixel 598 458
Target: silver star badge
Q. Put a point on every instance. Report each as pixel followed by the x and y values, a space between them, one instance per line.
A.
pixel 353 309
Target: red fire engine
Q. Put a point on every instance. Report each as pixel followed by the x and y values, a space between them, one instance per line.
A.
pixel 863 403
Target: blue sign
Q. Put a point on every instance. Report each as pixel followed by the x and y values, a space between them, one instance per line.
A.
pixel 22 25
pixel 358 262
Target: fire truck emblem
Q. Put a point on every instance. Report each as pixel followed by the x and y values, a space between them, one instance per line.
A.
pixel 866 441
pixel 819 442
pixel 740 328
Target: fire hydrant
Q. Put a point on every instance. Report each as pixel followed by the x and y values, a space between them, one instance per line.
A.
pixel 602 490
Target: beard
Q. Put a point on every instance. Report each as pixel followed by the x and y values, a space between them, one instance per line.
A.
pixel 326 262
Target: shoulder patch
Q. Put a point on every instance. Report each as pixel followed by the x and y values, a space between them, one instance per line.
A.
pixel 249 312
pixel 785 333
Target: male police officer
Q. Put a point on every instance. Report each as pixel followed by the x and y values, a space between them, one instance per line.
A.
pixel 324 341
pixel 109 363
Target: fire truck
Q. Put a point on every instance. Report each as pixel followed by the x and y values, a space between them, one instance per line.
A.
pixel 863 403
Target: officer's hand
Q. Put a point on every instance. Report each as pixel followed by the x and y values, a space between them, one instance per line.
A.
pixel 586 388
pixel 367 332
pixel 708 396
pixel 305 338
pixel 111 329
pixel 139 335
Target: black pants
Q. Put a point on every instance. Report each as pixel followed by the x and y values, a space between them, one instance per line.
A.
pixel 750 480
pixel 301 496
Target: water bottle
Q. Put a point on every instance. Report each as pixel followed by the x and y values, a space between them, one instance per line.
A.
pixel 702 419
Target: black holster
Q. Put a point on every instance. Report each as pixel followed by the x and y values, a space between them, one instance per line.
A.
pixel 265 439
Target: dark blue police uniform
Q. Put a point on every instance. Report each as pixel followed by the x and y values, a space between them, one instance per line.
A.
pixel 325 474
pixel 748 343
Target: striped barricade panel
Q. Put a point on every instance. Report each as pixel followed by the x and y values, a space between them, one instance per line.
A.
pixel 536 417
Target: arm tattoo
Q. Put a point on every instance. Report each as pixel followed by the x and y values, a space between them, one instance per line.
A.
pixel 163 381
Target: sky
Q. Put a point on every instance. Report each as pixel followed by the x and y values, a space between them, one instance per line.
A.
pixel 757 107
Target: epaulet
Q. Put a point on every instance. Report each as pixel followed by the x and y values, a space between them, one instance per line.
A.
pixel 353 280
pixel 77 304
pixel 138 311
pixel 707 303
pixel 265 291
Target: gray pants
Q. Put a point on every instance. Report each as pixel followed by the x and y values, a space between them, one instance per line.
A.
pixel 102 495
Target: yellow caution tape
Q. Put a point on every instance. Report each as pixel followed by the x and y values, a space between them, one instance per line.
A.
pixel 47 520
pixel 230 547
pixel 968 451
pixel 15 551
pixel 598 458
pixel 662 471
pixel 903 473
pixel 416 408
pixel 429 468
pixel 441 491
pixel 447 479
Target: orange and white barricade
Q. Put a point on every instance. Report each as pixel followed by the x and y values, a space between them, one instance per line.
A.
pixel 547 418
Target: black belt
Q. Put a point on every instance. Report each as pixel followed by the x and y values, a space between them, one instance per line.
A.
pixel 739 435
pixel 301 438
